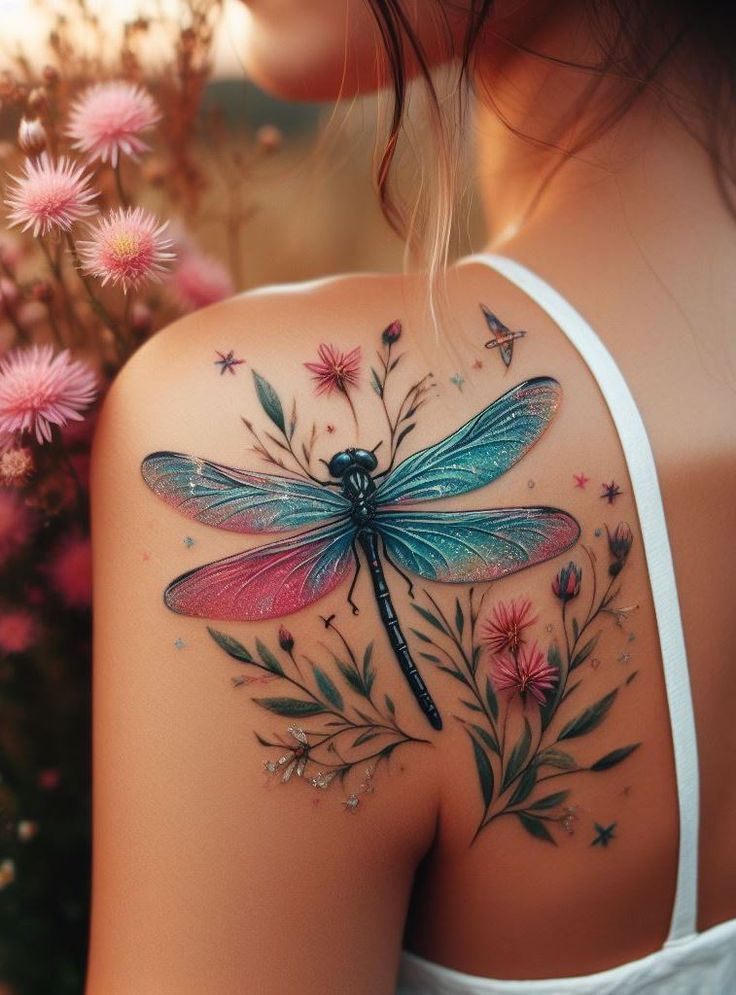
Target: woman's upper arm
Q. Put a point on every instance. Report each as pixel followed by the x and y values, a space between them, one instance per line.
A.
pixel 210 874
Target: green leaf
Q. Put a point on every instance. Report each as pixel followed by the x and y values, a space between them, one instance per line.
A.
pixel 486 737
pixel 474 658
pixel 575 630
pixel 365 737
pixel 290 706
pixel 430 656
pixel 352 676
pixel 589 719
pixel 582 654
pixel 614 757
pixel 403 434
pixel 328 689
pixel 485 771
pixel 457 674
pixel 268 658
pixel 432 619
pixel 491 699
pixel 270 401
pixel 548 709
pixel 518 754
pixel 420 635
pixel 390 705
pixel 535 827
pixel 549 801
pixel 459 618
pixel 525 785
pixel 231 646
pixel 556 758
pixel 367 656
pixel 471 705
pixel 631 677
pixel 376 382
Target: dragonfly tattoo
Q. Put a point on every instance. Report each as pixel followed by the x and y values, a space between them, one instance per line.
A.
pixel 359 511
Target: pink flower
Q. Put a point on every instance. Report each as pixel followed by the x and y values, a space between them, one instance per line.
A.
pixel 200 280
pixel 126 247
pixel 18 630
pixel 38 390
pixel 16 524
pixel 50 195
pixel 526 673
pixel 70 571
pixel 504 628
pixel 107 119
pixel 335 370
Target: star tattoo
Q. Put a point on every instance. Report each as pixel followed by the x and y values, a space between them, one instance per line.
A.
pixel 580 480
pixel 227 362
pixel 611 491
pixel 604 834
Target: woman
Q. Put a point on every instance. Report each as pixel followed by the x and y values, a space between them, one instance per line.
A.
pixel 378 556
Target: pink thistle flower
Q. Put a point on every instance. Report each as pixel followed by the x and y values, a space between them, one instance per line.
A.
pixel 38 390
pixel 70 571
pixel 16 524
pixel 504 628
pixel 127 247
pixel 335 370
pixel 18 630
pixel 16 466
pixel 200 280
pixel 525 673
pixel 107 119
pixel 49 196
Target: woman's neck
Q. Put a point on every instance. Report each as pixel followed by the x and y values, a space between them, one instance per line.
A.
pixel 645 179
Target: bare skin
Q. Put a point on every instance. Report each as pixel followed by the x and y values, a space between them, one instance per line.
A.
pixel 210 877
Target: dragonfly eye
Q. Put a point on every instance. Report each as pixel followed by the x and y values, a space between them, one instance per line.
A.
pixel 339 463
pixel 366 459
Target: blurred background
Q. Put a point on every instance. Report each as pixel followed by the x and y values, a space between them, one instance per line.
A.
pixel 255 191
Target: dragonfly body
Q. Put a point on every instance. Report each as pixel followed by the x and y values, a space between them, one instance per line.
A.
pixel 361 510
pixel 353 468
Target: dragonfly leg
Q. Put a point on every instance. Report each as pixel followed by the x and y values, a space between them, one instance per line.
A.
pixel 408 580
pixel 356 610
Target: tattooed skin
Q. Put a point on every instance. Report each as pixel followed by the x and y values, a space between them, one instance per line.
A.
pixel 358 512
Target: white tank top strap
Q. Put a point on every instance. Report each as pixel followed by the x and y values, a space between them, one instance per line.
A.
pixel 645 485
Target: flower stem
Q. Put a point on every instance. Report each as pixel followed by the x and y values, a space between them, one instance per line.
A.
pixel 96 304
pixel 119 184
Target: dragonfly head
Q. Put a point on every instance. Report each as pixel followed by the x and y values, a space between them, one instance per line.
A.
pixel 349 458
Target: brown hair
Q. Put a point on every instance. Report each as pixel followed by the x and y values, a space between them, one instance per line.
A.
pixel 636 39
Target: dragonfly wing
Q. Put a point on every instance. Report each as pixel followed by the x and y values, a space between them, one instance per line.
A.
pixel 238 500
pixel 269 581
pixel 469 546
pixel 480 450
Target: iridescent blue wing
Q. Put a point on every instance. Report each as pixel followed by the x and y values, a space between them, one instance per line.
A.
pixel 239 500
pixel 269 581
pixel 480 450
pixel 469 546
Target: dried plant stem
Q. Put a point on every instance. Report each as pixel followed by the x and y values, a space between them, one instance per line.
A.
pixel 57 273
pixel 96 304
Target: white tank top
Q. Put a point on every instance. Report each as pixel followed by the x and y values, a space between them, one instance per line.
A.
pixel 689 963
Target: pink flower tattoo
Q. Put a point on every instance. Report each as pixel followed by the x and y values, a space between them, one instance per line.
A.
pixel 504 628
pixel 527 672
pixel 336 371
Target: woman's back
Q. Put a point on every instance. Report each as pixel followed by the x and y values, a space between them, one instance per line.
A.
pixel 532 674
